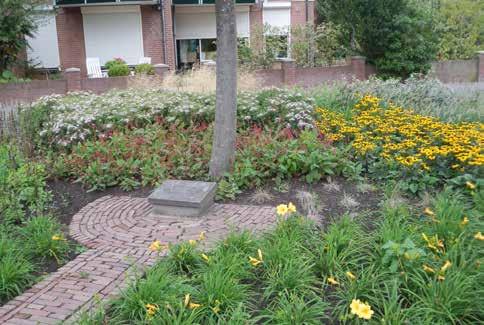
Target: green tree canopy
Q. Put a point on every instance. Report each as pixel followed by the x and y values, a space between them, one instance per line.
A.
pixel 462 23
pixel 400 36
pixel 16 22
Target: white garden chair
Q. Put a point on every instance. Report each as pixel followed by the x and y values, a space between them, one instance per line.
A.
pixel 94 68
pixel 145 60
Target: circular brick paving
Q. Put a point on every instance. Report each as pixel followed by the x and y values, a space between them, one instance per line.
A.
pixel 124 223
pixel 117 232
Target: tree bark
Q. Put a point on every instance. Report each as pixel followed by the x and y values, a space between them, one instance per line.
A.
pixel 223 148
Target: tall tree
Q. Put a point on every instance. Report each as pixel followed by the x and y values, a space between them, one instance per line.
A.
pixel 399 36
pixel 223 148
pixel 17 20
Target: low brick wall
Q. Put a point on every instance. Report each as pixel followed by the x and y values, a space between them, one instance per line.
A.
pixel 456 70
pixel 30 91
pixel 285 73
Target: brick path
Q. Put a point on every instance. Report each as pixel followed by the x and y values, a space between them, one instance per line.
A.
pixel 117 231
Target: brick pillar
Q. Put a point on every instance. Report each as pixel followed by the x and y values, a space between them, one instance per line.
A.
pixel 298 12
pixel 161 70
pixel 358 67
pixel 73 78
pixel 288 71
pixel 168 29
pixel 480 66
pixel 70 35
pixel 151 26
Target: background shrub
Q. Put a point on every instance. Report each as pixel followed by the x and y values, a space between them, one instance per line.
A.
pixel 145 69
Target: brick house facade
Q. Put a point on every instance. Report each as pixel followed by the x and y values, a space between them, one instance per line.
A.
pixel 167 31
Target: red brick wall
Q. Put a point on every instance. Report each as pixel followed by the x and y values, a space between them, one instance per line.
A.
pixel 30 91
pixel 298 12
pixel 169 41
pixel 70 35
pixel 151 26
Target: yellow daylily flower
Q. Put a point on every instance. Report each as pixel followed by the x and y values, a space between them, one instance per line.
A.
pixel 201 236
pixel 282 210
pixel 429 212
pixel 57 237
pixel 151 309
pixel 193 305
pixel 332 281
pixel 355 306
pixel 259 253
pixel 441 278
pixel 365 311
pixel 254 261
pixel 291 207
pixel 350 275
pixel 192 242
pixel 464 221
pixel 428 269
pixel 156 246
pixel 446 265
pixel 186 301
pixel 205 257
pixel 470 185
pixel 479 236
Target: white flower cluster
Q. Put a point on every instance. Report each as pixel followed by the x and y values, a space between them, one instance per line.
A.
pixel 79 116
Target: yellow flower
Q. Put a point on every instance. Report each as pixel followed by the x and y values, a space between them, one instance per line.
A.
pixel 362 310
pixel 192 242
pixel 479 236
pixel 291 207
pixel 193 305
pixel 205 257
pixel 156 246
pixel 282 210
pixel 441 278
pixel 254 261
pixel 216 308
pixel 428 269
pixel 470 185
pixel 332 281
pixel 446 265
pixel 57 237
pixel 201 236
pixel 151 309
pixel 464 221
pixel 350 275
pixel 355 306
pixel 429 212
pixel 188 303
pixel 365 311
pixel 186 300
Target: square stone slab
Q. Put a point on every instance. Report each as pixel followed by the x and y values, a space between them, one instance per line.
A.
pixel 183 198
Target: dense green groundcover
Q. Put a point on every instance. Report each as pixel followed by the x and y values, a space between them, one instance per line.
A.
pixel 30 238
pixel 407 267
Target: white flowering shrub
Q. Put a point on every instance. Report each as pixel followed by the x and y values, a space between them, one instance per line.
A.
pixel 79 116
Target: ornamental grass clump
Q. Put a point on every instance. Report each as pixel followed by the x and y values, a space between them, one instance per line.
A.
pixel 300 273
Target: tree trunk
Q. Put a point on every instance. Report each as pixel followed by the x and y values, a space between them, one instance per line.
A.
pixel 223 149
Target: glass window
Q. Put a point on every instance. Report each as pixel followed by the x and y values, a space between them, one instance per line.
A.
pixel 209 49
